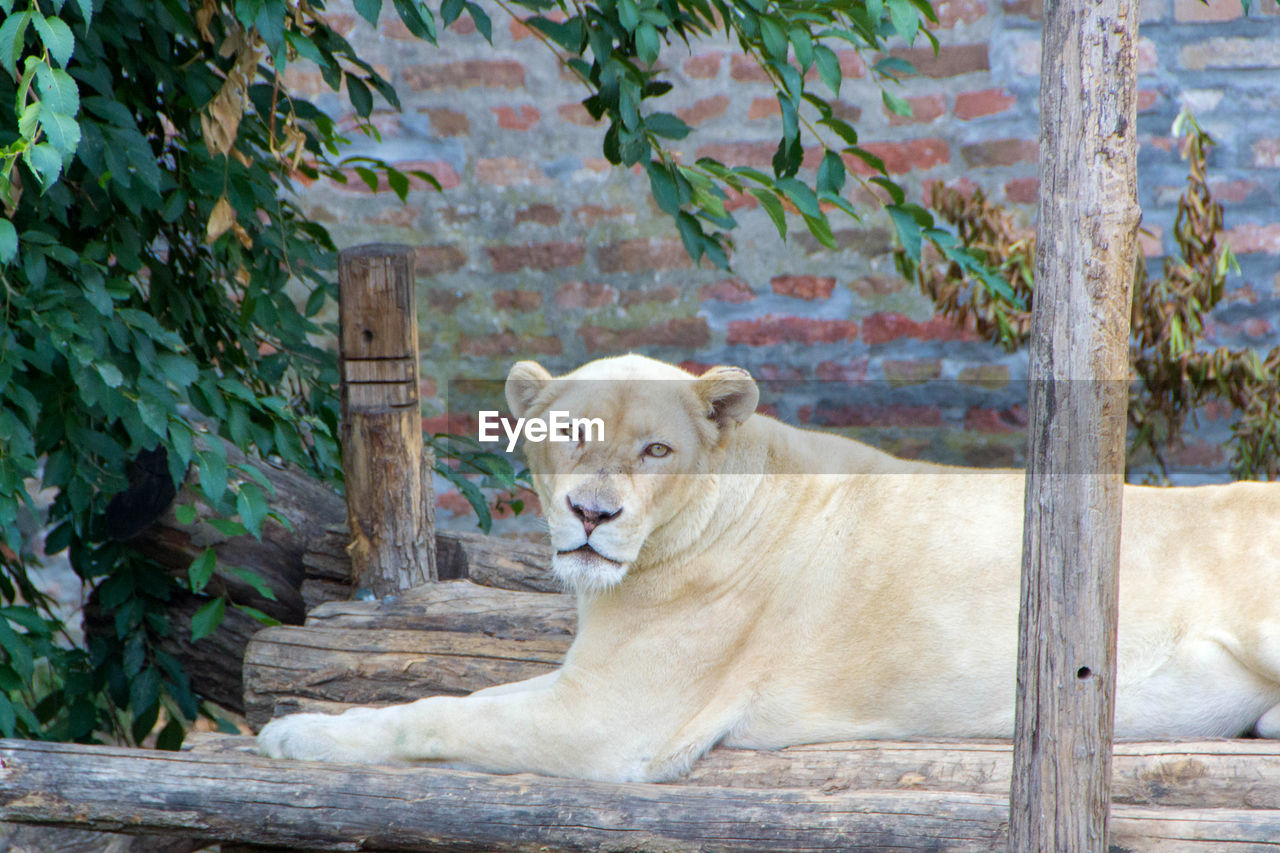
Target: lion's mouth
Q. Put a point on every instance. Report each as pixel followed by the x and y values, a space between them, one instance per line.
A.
pixel 586 550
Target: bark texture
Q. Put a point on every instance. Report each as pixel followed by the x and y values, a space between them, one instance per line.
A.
pixel 305 806
pixel 1079 370
pixel 390 505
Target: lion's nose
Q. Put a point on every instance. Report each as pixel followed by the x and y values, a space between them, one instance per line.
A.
pixel 592 516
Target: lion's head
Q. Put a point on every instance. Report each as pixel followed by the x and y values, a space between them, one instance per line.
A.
pixel 618 502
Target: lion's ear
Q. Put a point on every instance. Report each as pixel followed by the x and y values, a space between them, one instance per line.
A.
pixel 524 382
pixel 729 393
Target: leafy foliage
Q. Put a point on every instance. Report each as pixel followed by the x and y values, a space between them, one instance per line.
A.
pixel 153 265
pixel 1174 373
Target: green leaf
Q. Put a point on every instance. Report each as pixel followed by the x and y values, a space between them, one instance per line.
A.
pixel 648 44
pixel 773 207
pixel 907 228
pixel 257 614
pixel 185 513
pixel 12 33
pixel 774 39
pixel 251 503
pixel 86 9
pixel 227 527
pixel 201 568
pixel 213 474
pixel 57 90
pixel 831 173
pixel 668 125
pixel 482 22
pixel 207 619
pixel 62 131
pixel 663 187
pixel 369 10
pixel 905 18
pixel 56 36
pixel 179 369
pixel 253 579
pixel 361 97
pixel 802 44
pixel 895 104
pixel 801 196
pixel 828 65
pixel 171 736
pixel 8 241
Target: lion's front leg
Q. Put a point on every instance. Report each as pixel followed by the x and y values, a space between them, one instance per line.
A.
pixel 533 730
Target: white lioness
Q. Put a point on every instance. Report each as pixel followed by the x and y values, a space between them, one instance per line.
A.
pixel 728 593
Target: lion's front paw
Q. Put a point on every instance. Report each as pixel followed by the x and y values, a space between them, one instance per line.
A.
pixel 323 737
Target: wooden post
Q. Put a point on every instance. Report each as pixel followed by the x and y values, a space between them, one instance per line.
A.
pixel 1088 215
pixel 390 506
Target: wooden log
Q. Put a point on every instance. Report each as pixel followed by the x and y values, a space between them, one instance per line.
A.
pixel 305 806
pixel 1079 370
pixel 285 665
pixel 456 606
pixel 1228 774
pixel 390 505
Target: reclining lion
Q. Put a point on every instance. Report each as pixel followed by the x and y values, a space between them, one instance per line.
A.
pixel 728 593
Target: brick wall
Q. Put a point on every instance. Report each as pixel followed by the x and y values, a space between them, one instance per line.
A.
pixel 537 248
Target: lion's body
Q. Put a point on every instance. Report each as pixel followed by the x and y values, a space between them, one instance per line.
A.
pixel 748 598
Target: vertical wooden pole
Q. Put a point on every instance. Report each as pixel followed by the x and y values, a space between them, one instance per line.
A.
pixel 390 505
pixel 1088 216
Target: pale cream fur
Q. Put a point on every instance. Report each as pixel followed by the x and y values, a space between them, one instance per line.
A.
pixel 739 597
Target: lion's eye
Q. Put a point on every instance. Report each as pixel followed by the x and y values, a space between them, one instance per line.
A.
pixel 657 450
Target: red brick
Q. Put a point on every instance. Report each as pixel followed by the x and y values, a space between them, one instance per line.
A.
pixel 1147 99
pixel 684 332
pixel 543 214
pixel 401 216
pixel 522 117
pixel 1022 190
pixel 911 371
pixel 851 64
pixel 697 368
pixel 872 286
pixel 446 122
pixel 704 109
pixel 445 301
pixel 992 377
pixel 809 287
pixel 434 260
pixel 537 256
pixel 463 26
pixel 890 326
pixel 427 387
pixel 951 61
pixel 510 344
pixel 994 420
pixel 924 109
pixel 1237 191
pixel 1149 241
pixel 517 300
pixel 763 108
pixel 952 12
pixel 771 330
pixel 846 111
pixel 902 157
pixel 667 293
pixel 1250 239
pixel 744 69
pixel 727 290
pixel 589 213
pixel 1214 10
pixel 1033 9
pixel 1257 327
pixel 971 105
pixel 872 416
pixel 1202 454
pixel 465 74
pixel 339 23
pixel 576 113
pixel 1148 59
pixel 508 171
pixel 833 371
pixel 704 66
pixel 1000 152
pixel 1266 153
pixel 642 255
pixel 585 294
pixel 735 200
